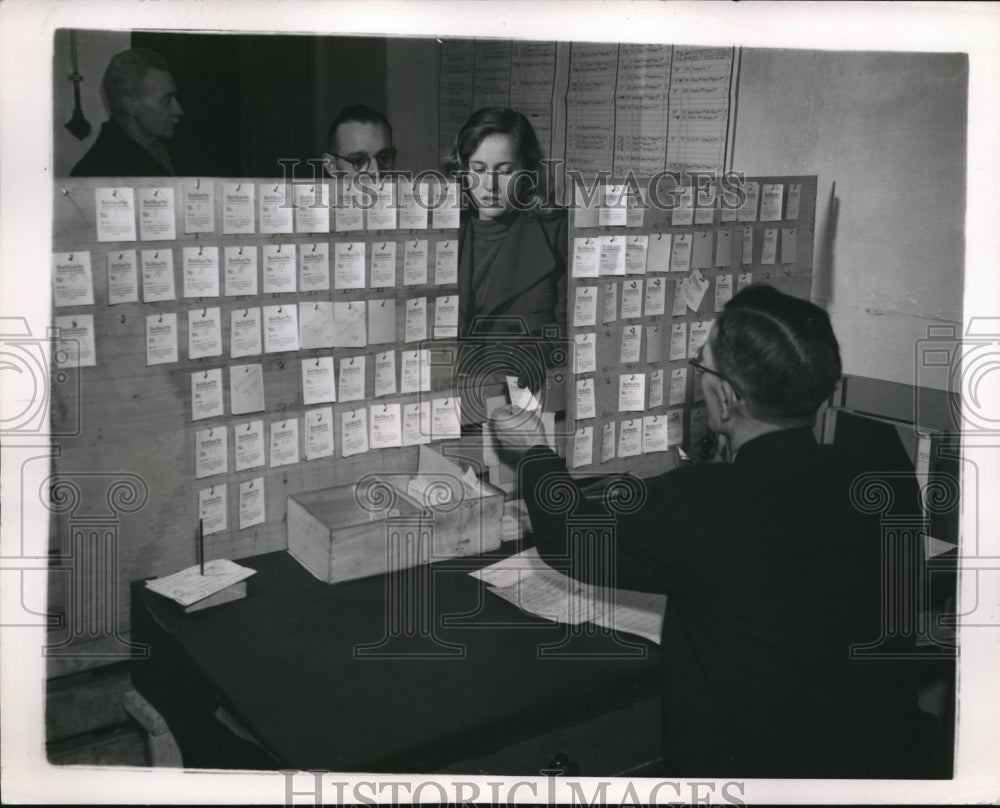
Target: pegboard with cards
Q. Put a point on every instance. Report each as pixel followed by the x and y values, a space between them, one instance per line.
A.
pixel 652 263
pixel 224 343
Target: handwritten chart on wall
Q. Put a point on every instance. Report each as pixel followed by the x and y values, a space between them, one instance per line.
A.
pixel 638 108
pixel 479 74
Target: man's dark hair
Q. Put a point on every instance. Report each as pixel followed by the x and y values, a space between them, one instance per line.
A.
pixel 125 73
pixel 780 351
pixel 358 113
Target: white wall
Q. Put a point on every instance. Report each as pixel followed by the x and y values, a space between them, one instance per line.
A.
pixel 94 50
pixel 886 135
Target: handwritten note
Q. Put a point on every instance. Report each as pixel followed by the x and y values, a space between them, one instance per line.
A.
pixel 189 586
pixel 246 389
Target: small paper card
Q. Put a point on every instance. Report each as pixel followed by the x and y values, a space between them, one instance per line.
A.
pixel 237 208
pixel 319 433
pixel 201 271
pixel 249 439
pixel 241 270
pixel 157 215
pixel 284 445
pixel 73 283
pixel 354 432
pixel 115 211
pixel 244 333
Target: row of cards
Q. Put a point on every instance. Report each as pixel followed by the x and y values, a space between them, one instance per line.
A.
pixel 270 329
pixel 213 506
pixel 303 326
pixel 633 389
pixel 633 436
pixel 683 341
pixel 366 428
pixel 639 299
pixel 287 268
pixel 319 384
pixel 275 207
pixel 624 205
pixel 596 256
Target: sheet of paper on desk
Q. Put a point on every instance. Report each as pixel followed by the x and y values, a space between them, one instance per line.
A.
pixel 533 586
pixel 189 586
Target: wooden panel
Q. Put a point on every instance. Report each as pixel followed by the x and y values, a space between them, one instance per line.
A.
pixel 124 420
pixel 792 277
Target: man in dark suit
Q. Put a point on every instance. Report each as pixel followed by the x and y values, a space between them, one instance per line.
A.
pixel 772 565
pixel 142 98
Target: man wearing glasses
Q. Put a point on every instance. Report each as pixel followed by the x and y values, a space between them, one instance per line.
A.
pixel 772 566
pixel 360 139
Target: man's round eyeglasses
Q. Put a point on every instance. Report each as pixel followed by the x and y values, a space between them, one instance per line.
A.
pixel 384 159
pixel 696 363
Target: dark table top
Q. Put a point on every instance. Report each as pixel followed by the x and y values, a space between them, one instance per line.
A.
pixel 343 678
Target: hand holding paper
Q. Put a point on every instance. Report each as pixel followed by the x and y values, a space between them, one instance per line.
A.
pixel 518 430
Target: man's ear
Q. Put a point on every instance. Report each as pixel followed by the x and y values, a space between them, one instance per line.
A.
pixel 129 104
pixel 330 164
pixel 727 399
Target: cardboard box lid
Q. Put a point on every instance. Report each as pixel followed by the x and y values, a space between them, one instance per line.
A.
pixel 341 506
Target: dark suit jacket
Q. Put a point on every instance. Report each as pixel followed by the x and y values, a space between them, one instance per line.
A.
pixel 528 280
pixel 115 154
pixel 772 573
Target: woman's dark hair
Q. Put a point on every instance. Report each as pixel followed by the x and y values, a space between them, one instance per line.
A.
pixel 780 351
pixel 502 121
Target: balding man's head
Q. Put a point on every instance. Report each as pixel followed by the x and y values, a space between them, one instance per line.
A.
pixel 360 139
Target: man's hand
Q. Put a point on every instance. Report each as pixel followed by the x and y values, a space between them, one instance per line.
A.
pixel 518 430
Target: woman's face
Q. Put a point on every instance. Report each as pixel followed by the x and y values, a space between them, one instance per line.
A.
pixel 491 169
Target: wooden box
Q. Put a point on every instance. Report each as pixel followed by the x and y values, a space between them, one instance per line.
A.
pixel 465 519
pixel 336 539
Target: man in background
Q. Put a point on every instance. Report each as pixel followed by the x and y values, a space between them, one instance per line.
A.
pixel 360 139
pixel 142 98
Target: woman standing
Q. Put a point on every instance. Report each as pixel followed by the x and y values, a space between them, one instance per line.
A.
pixel 513 244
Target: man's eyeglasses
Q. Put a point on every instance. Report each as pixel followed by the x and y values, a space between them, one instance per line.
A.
pixel 384 159
pixel 697 364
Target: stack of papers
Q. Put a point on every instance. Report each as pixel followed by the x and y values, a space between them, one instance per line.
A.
pixel 534 587
pixel 189 586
